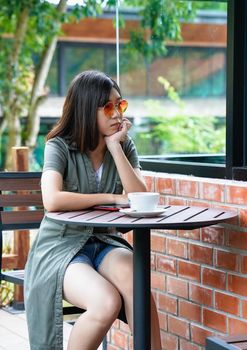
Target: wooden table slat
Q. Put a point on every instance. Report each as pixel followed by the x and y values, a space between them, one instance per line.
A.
pixel 212 214
pixel 108 216
pixel 183 215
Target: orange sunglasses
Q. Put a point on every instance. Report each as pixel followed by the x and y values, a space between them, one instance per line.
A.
pixel 110 107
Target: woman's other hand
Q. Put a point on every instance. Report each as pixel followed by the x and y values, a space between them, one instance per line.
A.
pixel 121 199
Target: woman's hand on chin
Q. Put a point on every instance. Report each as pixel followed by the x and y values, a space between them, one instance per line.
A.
pixel 120 135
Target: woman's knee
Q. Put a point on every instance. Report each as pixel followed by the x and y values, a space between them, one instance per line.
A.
pixel 106 308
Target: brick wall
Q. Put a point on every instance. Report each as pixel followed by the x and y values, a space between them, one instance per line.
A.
pixel 199 277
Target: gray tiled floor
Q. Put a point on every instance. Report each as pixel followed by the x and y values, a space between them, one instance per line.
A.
pixel 13 332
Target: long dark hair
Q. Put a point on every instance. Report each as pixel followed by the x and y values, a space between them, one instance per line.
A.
pixel 88 91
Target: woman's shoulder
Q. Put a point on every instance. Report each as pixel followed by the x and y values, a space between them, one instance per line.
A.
pixel 128 144
pixel 60 142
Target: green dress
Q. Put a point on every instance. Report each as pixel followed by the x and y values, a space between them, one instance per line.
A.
pixel 56 244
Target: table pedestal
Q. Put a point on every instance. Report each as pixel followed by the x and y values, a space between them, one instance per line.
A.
pixel 142 285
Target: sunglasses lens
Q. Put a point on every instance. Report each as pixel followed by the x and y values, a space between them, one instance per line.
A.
pixel 122 106
pixel 109 109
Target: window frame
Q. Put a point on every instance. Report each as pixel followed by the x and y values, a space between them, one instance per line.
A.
pixel 236 103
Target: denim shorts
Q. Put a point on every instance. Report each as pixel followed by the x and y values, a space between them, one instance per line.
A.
pixel 93 253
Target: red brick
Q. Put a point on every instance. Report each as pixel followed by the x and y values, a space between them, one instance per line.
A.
pixel 166 264
pixel 116 323
pixel 226 260
pixel 189 270
pixel 192 234
pixel 170 232
pixel 175 201
pixel 237 239
pixel 162 200
pixel 166 186
pixel 186 345
pixel 236 194
pixel 237 326
pixel 212 191
pixel 158 243
pixel 244 264
pixel 177 287
pixel 213 235
pixel 237 284
pixel 187 188
pixel 153 261
pixel 227 303
pixel 214 320
pixel 158 281
pixel 201 254
pixel 169 341
pixel 109 347
pixel 199 335
pixel 167 303
pixel 149 180
pixel 176 248
pixel 124 327
pixel 244 309
pixel 162 320
pixel 131 343
pixel 201 295
pixel 190 311
pixel 198 203
pixel 178 327
pixel 214 278
pixel 119 339
pixel 243 218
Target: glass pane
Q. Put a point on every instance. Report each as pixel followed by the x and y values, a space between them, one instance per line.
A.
pixel 177 100
pixel 52 79
pixel 78 59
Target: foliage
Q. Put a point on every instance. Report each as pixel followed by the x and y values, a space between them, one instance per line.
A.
pixel 178 134
pixel 160 21
pixel 6 293
pixel 211 5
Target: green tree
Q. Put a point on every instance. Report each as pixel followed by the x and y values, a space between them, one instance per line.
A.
pixel 28 35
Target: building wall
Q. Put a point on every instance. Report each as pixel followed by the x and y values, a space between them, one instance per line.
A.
pixel 102 30
pixel 199 277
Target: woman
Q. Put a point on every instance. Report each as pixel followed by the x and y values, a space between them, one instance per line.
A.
pixel 89 160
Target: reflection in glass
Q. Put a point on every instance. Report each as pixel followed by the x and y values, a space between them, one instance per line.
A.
pixel 178 100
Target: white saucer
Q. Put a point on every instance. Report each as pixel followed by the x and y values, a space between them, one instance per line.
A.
pixel 142 214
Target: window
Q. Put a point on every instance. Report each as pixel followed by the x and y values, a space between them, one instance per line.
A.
pixel 198 85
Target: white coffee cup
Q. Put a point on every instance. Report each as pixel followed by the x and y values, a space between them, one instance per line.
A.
pixel 143 201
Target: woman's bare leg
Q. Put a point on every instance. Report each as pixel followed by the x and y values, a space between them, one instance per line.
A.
pixel 117 268
pixel 87 289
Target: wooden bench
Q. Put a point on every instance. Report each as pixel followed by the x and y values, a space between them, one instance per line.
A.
pixel 230 342
pixel 21 209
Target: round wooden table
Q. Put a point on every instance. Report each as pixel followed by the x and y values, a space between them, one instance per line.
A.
pixel 175 217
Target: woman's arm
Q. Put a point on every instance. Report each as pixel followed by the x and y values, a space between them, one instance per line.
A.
pixel 55 199
pixel 131 178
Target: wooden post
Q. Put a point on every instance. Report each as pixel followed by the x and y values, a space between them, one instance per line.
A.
pixel 20 156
